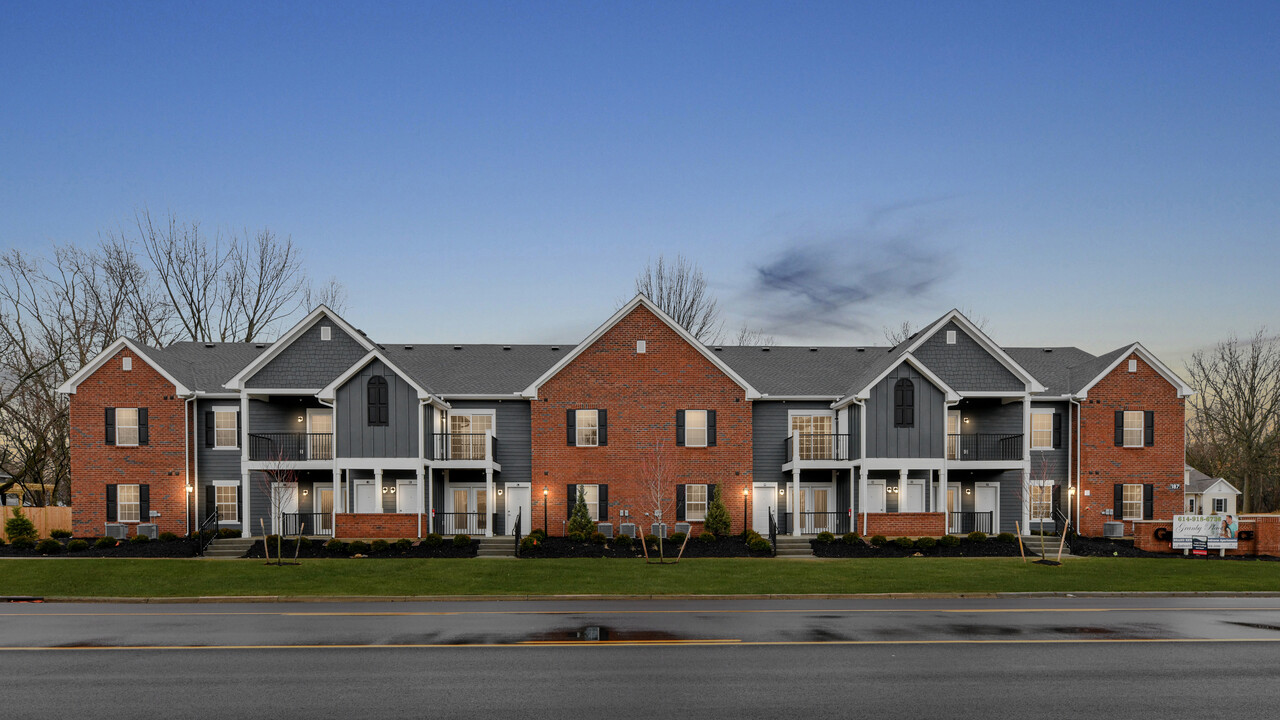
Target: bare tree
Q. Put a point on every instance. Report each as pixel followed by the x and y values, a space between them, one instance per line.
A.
pixel 898 334
pixel 279 483
pixel 658 483
pixel 680 290
pixel 753 337
pixel 331 293
pixel 1235 414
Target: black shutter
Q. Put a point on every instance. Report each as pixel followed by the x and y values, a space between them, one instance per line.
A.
pixel 571 491
pixel 210 502
pixel 602 417
pixel 571 427
pixel 711 428
pixel 144 503
pixel 238 429
pixel 679 428
pixel 208 429
pixel 1148 501
pixel 1149 428
pixel 144 433
pixel 1119 428
pixel 240 506
pixel 679 503
pixel 910 411
pixel 111 502
pixel 1117 503
pixel 711 494
pixel 1057 431
pixel 109 423
pixel 602 495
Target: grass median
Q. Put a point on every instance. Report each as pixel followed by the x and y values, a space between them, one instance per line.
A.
pixel 176 578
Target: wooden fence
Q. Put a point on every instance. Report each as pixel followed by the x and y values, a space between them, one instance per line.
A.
pixel 45 518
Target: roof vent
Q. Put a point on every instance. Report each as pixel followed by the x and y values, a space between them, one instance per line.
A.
pixel 260 346
pixel 718 348
pixel 506 347
pixel 457 347
pixel 555 348
pixel 408 347
pixel 1048 349
pixel 862 349
pixel 813 349
pixel 209 345
pixel 765 348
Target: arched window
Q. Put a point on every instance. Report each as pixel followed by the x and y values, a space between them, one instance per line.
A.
pixel 377 400
pixel 904 404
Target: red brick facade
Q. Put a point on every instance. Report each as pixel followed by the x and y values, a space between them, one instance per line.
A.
pixel 1104 465
pixel 159 464
pixel 385 526
pixel 905 524
pixel 641 392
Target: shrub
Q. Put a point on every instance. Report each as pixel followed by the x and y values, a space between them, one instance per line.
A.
pixel 20 526
pixel 677 538
pixel 717 518
pixel 707 537
pixel 403 545
pixel 60 534
pixel 167 537
pixel 577 537
pixel 103 543
pixel 851 538
pixel 358 547
pixel 826 538
pixel 948 541
pixel 750 535
pixel 651 539
pixel 904 542
pixel 273 540
pixel 580 519
pixel 622 541
pixel 433 540
pixel 529 543
pixel 1007 538
pixel 2 543
pixel 539 533
pixel 77 545
pixel 49 546
pixel 336 547
pixel 140 539
pixel 879 540
pixel 598 538
pixel 23 543
pixel 228 533
pixel 977 536
pixel 925 543
pixel 461 541
pixel 380 546
pixel 759 544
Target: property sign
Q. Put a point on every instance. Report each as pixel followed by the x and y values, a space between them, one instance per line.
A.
pixel 1215 531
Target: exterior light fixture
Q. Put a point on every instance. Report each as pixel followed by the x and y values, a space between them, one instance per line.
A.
pixel 968 491
pixel 499 491
pixel 301 418
pixel 190 489
pixel 305 492
pixel 966 421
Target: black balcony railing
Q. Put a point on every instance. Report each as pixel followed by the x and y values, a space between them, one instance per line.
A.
pixel 984 446
pixel 460 523
pixel 817 446
pixel 963 523
pixel 306 524
pixel 290 446
pixel 461 446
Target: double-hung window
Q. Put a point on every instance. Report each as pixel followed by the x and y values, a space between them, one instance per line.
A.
pixel 588 425
pixel 1133 499
pixel 228 508
pixel 695 502
pixel 1041 429
pixel 1133 428
pixel 1041 502
pixel 128 501
pixel 695 428
pixel 224 429
pixel 591 496
pixel 1219 506
pixel 127 428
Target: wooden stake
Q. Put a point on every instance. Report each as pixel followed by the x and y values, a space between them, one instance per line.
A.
pixel 686 542
pixel 266 549
pixel 1062 543
pixel 1021 551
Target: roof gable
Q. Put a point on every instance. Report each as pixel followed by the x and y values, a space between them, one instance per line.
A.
pixel 925 372
pixel 966 364
pixel 316 366
pixel 1090 374
pixel 1031 384
pixel 640 301
pixel 69 387
pixel 330 391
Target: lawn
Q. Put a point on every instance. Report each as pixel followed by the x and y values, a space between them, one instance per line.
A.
pixel 169 578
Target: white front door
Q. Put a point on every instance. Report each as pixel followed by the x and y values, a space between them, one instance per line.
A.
pixel 875 496
pixel 407 496
pixel 764 502
pixel 285 498
pixel 986 498
pixel 466 511
pixel 912 497
pixel 367 498
pixel 321 510
pixel 518 504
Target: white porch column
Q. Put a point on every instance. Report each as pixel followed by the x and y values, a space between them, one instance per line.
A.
pixel 431 494
pixel 377 482
pixel 421 498
pixel 245 530
pixel 489 503
pixel 795 502
pixel 902 486
pixel 337 498
pixel 946 509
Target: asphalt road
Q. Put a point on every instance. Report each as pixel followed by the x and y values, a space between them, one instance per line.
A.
pixel 1118 658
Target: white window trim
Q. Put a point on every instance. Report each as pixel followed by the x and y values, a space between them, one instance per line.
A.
pixel 1125 503
pixel 226 484
pixel 463 412
pixel 706 503
pixel 705 431
pixel 593 506
pixel 577 428
pixel 1142 428
pixel 120 503
pixel 1041 411
pixel 137 435
pixel 326 332
pixel 1217 500
pixel 1048 503
pixel 225 409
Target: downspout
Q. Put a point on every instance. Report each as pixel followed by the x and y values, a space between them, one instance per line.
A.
pixel 337 481
pixel 862 469
pixel 422 459
pixel 188 489
pixel 1079 462
pixel 945 481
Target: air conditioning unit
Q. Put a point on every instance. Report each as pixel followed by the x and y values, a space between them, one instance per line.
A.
pixel 628 529
pixel 148 529
pixel 659 530
pixel 1113 529
pixel 682 528
pixel 605 528
pixel 117 531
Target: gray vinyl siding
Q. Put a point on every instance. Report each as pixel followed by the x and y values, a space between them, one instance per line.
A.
pixel 966 365
pixel 926 440
pixel 280 414
pixel 515 453
pixel 259 503
pixel 212 464
pixel 769 429
pixel 1052 464
pixel 355 438
pixel 309 362
pixel 990 415
pixel 855 431
pixel 1010 501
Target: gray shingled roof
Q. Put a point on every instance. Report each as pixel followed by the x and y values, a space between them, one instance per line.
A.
pixel 1085 372
pixel 1198 482
pixel 205 367
pixel 788 370
pixel 475 369
pixel 1052 368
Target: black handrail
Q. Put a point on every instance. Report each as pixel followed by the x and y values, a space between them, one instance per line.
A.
pixel 970 521
pixel 818 446
pixel 773 532
pixel 290 446
pixel 209 524
pixel 984 446
pixel 461 446
pixel 519 512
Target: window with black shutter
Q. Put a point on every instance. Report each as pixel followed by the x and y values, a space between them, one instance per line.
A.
pixel 904 403
pixel 378 399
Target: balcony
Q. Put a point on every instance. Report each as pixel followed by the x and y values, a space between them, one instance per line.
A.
pixel 984 447
pixel 464 446
pixel 290 447
pixel 817 447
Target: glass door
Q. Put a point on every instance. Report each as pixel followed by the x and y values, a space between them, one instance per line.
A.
pixel 319 434
pixel 953 434
pixel 466 436
pixel 815 515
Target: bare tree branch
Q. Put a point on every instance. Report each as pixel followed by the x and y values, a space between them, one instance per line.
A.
pixel 680 290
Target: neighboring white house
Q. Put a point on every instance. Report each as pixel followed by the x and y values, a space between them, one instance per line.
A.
pixel 1206 495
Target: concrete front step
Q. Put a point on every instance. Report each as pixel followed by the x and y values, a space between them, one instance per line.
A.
pixel 228 547
pixel 794 547
pixel 501 546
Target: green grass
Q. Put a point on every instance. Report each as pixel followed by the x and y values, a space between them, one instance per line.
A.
pixel 168 578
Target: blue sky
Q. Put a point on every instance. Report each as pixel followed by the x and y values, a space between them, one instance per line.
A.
pixel 1076 173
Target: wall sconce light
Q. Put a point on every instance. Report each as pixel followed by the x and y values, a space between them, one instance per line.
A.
pixel 782 491
pixel 966 421
pixel 499 492
pixel 1071 491
pixel 190 489
pixel 301 418
pixel 305 492
pixel 968 491
pixel 384 489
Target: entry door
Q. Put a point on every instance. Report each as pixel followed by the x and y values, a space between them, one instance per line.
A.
pixel 953 497
pixel 986 499
pixel 367 499
pixel 953 434
pixel 814 509
pixel 322 513
pixel 875 496
pixel 319 434
pixel 469 512
pixel 764 502
pixel 518 503
pixel 407 496
pixel 912 499
pixel 286 497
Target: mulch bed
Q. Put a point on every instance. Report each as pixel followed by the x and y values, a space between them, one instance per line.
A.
pixel 124 549
pixel 988 548
pixel 1107 547
pixel 316 548
pixel 559 547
